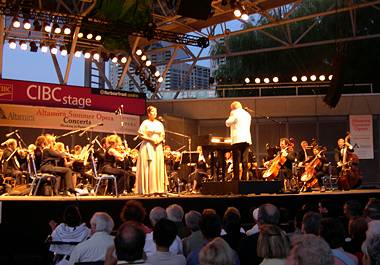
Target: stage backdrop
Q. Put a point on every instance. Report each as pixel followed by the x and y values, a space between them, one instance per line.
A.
pixel 361 129
pixel 62 96
pixel 67 119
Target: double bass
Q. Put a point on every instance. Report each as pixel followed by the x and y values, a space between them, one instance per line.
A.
pixel 349 176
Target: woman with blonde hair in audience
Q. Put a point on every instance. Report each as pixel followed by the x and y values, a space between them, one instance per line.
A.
pixel 273 245
pixel 217 252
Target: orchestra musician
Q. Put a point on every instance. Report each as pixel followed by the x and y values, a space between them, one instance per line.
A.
pixel 290 155
pixel 305 153
pixel 339 152
pixel 151 175
pixel 239 122
pixel 40 145
pixel 11 156
pixel 50 158
pixel 100 154
pixel 320 169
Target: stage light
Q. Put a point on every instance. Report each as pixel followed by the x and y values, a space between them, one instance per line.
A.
pixel 148 63
pixel 330 77
pixel 123 59
pixel 33 46
pixel 294 78
pixel 322 78
pixel 27 24
pixel 57 29
pixel 98 38
pixel 244 17
pixel 247 80
pixel 313 78
pixel 87 55
pixel 80 35
pixel 15 23
pixel 63 51
pixel 53 49
pixel 157 73
pixel 160 79
pixel 303 78
pixel 77 54
pixel 237 13
pixel 44 48
pixel 139 52
pixel 37 26
pixel 89 36
pixel 114 59
pixel 143 58
pixel 96 56
pixel 275 79
pixel 12 44
pixel 23 45
pixel 47 27
pixel 66 30
pixel 257 80
pixel 266 80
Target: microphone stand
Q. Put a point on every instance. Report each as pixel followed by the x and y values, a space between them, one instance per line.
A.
pixel 67 134
pixel 260 115
pixel 182 135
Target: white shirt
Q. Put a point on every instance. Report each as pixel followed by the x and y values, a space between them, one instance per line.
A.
pixel 93 249
pixel 150 246
pixel 166 258
pixel 239 122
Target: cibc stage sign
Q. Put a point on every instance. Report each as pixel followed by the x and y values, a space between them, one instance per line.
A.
pixel 62 96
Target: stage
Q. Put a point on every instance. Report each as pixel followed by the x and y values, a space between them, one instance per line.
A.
pixel 24 219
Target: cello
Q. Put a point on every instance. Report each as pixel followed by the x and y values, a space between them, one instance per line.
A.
pixel 275 165
pixel 308 177
pixel 349 176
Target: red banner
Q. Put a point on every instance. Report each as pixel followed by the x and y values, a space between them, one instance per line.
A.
pixel 63 96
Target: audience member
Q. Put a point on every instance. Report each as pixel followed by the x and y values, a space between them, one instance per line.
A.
pixel 175 213
pixel 216 252
pixel 352 209
pixel 326 208
pixel 232 226
pixel 134 211
pixel 372 251
pixel 309 250
pixel 255 228
pixel 196 239
pixel 311 223
pixel 333 232
pixel 164 234
pixel 155 215
pixel 94 249
pixel 273 245
pixel 356 229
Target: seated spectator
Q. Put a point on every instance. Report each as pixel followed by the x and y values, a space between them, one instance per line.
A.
pixel 68 234
pixel 94 249
pixel 327 208
pixel 156 214
pixel 232 226
pixel 298 223
pixel 356 229
pixel 164 234
pixel 129 246
pixel 196 239
pixel 235 211
pixel 216 252
pixel 352 209
pixel 175 213
pixel 311 223
pixel 309 250
pixel 273 245
pixel 134 211
pixel 332 232
pixel 372 251
pixel 255 228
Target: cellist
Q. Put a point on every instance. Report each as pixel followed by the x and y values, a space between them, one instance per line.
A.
pixel 287 151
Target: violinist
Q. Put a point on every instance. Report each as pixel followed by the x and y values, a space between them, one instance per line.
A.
pixel 100 154
pixel 40 145
pixel 50 158
pixel 10 158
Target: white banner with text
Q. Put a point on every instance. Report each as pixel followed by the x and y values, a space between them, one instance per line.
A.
pixel 361 128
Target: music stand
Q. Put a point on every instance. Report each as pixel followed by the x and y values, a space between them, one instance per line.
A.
pixel 189 157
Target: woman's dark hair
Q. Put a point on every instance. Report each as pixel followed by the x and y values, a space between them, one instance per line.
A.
pixel 72 216
pixel 133 211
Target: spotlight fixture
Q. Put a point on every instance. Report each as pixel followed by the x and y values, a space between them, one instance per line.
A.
pixel 87 55
pixel 63 51
pixel 12 44
pixel 138 52
pixel 160 79
pixel 47 27
pixel 275 79
pixel 33 46
pixel 66 30
pixel 96 56
pixel 57 29
pixel 98 38
pixel 247 80
pixel 27 24
pixel 257 80
pixel 16 23
pixel 80 35
pixel 148 63
pixel 114 59
pixel 37 26
pixel 304 78
pixel 322 78
pixel 313 77
pixel 89 36
pixel 23 45
pixel 244 17
pixel 143 58
pixel 77 54
pixel 237 13
pixel 330 77
pixel 44 48
pixel 266 80
pixel 157 73
pixel 294 78
pixel 123 59
pixel 53 49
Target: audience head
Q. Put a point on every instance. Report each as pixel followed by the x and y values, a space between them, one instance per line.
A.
pixel 268 214
pixel 164 233
pixel 332 231
pixel 133 211
pixel 273 243
pixel 210 225
pixel 192 220
pixel 216 252
pixel 231 221
pixel 175 213
pixel 357 229
pixel 156 214
pixel 352 209
pixel 311 223
pixel 372 209
pixel 72 216
pixel 130 241
pixel 309 250
pixel 101 222
pixel 372 251
pixel 325 207
pixel 298 219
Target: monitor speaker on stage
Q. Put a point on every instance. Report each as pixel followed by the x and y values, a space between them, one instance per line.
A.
pixel 189 157
pixel 198 9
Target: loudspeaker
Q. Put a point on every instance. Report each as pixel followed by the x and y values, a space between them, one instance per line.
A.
pixel 198 9
pixel 240 187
